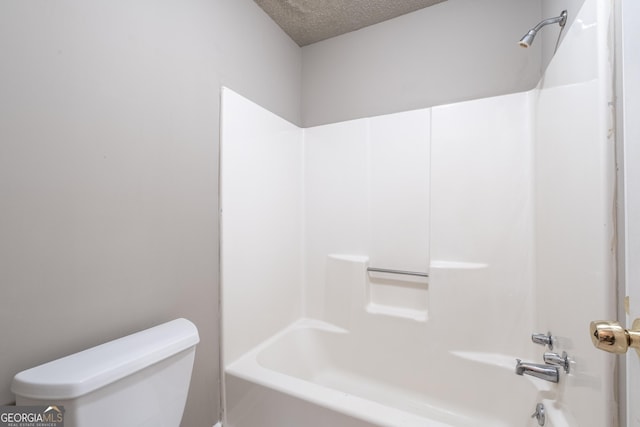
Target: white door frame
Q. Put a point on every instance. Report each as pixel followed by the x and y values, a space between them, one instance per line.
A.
pixel 628 117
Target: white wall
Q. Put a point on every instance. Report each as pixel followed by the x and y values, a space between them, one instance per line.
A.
pixel 453 51
pixel 108 183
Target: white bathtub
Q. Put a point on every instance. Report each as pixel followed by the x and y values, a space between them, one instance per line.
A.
pixel 313 374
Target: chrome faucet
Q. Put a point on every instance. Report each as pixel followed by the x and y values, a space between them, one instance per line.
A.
pixel 542 371
pixel 558 360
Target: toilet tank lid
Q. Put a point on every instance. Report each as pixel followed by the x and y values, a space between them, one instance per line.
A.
pixel 81 373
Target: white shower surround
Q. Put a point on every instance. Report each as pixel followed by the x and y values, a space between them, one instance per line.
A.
pixel 516 185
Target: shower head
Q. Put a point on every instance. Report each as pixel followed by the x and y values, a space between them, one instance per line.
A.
pixel 527 39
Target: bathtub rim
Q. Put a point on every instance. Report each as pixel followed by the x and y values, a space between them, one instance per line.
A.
pixel 248 368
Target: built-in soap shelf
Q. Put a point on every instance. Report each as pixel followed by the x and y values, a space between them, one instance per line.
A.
pixel 353 283
pixel 397 293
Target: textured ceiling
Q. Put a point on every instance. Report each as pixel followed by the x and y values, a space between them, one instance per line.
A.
pixel 309 21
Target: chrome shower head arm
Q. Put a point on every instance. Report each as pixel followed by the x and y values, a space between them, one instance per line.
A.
pixel 562 20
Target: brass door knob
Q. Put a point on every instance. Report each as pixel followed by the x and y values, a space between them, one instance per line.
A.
pixel 610 336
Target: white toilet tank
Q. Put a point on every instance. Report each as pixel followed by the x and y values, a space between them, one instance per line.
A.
pixel 138 380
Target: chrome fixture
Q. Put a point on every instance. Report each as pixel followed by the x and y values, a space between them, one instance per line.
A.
pixel 610 336
pixel 527 39
pixel 539 414
pixel 406 273
pixel 557 360
pixel 543 371
pixel 543 339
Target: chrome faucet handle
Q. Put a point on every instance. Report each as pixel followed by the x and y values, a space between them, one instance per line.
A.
pixel 543 339
pixel 557 360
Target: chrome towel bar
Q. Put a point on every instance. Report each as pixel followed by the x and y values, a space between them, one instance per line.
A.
pixel 406 273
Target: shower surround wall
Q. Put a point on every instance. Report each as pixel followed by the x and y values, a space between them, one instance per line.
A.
pixel 261 219
pixel 372 201
pixel 373 188
pixel 506 202
pixel 575 211
pixel 303 215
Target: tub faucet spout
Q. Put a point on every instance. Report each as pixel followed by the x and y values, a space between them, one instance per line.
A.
pixel 542 371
